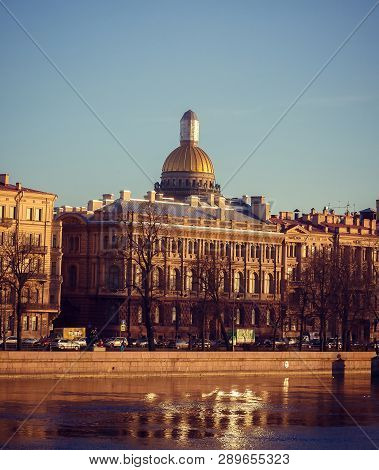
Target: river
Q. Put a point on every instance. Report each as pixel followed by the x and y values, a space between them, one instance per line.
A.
pixel 190 413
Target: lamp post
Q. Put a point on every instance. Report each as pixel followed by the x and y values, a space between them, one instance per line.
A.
pixel 236 296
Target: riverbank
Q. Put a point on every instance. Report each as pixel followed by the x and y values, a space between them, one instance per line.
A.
pixel 14 364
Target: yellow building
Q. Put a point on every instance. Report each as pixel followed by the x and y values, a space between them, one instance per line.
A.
pixel 31 213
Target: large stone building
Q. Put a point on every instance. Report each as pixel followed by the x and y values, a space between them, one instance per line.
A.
pixel 263 253
pixel 30 213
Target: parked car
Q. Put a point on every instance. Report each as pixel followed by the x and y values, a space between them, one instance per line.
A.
pixel 162 343
pixel 115 342
pixel 82 342
pixel 11 341
pixel 198 344
pixel 143 342
pixel 178 344
pixel 64 344
pixel 132 342
pixel 29 342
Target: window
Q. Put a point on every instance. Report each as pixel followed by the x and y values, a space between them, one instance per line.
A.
pixel 54 241
pixel 25 323
pixel 29 213
pixel 189 280
pixel 38 239
pixel 54 268
pixel 173 314
pixel 12 212
pixel 256 284
pixel 35 323
pixel 114 278
pixel 72 276
pixel 2 212
pixel 39 215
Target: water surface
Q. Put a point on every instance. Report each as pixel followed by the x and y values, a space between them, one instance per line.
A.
pixel 198 413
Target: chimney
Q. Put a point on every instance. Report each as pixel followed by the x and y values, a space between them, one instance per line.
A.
pixel 18 186
pixel 125 195
pixel 94 205
pixel 260 208
pixel 297 214
pixel 108 198
pixel 4 179
pixel 246 199
pixel 151 196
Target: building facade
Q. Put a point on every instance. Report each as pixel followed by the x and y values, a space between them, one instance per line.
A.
pixel 30 213
pixel 262 253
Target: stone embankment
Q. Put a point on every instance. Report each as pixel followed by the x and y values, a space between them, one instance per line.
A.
pixel 15 364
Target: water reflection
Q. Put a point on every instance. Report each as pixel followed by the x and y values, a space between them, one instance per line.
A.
pixel 157 413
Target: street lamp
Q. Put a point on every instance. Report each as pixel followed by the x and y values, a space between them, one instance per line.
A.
pixel 236 296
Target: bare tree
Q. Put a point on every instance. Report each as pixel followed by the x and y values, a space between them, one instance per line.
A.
pixel 144 238
pixel 211 276
pixel 23 269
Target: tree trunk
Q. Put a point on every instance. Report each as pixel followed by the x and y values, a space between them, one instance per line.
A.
pixel 223 330
pixel 300 346
pixel 149 326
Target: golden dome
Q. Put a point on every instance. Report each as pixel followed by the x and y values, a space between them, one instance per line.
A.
pixel 188 158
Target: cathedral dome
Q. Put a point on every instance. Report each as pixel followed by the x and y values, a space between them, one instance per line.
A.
pixel 188 158
pixel 188 170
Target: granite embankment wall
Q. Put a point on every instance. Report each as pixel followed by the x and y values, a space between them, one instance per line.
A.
pixel 15 364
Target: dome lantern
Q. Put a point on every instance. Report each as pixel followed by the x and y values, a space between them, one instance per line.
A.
pixel 188 170
pixel 189 129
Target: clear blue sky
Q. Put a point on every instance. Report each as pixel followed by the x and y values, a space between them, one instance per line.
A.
pixel 238 64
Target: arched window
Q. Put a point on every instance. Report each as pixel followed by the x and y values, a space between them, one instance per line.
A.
pixel 238 251
pixel 273 252
pixel 253 316
pixel 271 284
pixel 72 276
pixel 114 277
pixel 257 288
pixel 226 282
pixel 268 317
pixel 239 284
pixel 175 279
pixel 190 247
pixel 267 252
pixel 160 278
pixel 173 314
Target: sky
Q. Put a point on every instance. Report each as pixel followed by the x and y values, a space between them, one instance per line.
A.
pixel 139 65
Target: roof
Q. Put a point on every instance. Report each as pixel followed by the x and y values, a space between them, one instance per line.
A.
pixel 13 187
pixel 190 115
pixel 188 158
pixel 180 210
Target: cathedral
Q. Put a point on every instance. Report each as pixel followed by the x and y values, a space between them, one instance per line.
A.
pixel 262 253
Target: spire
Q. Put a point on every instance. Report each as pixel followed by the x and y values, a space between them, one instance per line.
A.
pixel 189 129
